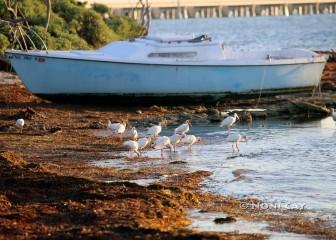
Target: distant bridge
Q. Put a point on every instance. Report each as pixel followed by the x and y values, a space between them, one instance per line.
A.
pixel 171 9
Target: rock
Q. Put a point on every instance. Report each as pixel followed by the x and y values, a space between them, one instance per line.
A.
pixel 182 116
pixel 29 114
pixel 158 109
pixel 328 86
pixel 200 118
pixel 213 111
pixel 203 115
pixel 214 118
pixel 310 108
pixel 5 128
pixel 200 109
pixel 172 119
pixel 246 117
pixel 259 115
pixel 214 115
pixel 36 167
pixel 224 114
pixel 177 162
pixel 228 219
pixel 97 125
pixel 10 159
pixel 32 165
pixel 241 178
pixel 180 108
pixel 39 127
pixel 239 172
pixel 138 111
pixel 4 202
pixel 55 130
pixel 155 108
pixel 203 211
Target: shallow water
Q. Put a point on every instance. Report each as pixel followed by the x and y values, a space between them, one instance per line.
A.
pixel 284 162
pixel 253 33
pixel 204 221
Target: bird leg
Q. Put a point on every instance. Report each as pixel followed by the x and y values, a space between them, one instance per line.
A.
pixel 171 147
pixel 229 128
pixel 161 153
pixel 233 150
pixel 137 153
pixel 237 147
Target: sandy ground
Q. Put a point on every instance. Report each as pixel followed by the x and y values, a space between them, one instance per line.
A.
pixel 48 189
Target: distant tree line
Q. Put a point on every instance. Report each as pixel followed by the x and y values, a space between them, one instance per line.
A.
pixel 64 24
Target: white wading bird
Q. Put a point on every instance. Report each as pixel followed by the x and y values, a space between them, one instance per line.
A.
pixel 19 124
pixel 117 128
pixel 134 133
pixel 235 138
pixel 184 128
pixel 175 139
pixel 229 121
pixel 132 146
pixel 162 143
pixel 143 142
pixel 155 130
pixel 189 140
pixel 333 114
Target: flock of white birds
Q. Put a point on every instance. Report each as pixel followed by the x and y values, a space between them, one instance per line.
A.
pixel 152 138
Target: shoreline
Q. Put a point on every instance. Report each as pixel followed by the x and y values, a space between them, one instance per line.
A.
pixel 54 191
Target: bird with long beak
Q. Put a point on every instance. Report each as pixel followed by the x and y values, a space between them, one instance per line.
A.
pixel 134 133
pixel 183 128
pixel 132 147
pixel 175 139
pixel 229 121
pixel 333 114
pixel 162 143
pixel 155 130
pixel 19 124
pixel 143 143
pixel 117 128
pixel 235 138
pixel 190 140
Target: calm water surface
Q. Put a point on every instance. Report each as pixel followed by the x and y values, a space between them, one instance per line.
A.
pixel 288 161
pixel 309 31
pixel 282 161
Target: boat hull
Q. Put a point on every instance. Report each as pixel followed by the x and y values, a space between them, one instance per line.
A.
pixel 56 78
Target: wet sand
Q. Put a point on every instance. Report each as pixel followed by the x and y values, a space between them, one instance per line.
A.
pixel 49 189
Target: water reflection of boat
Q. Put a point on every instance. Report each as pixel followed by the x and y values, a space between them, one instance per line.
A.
pixel 174 67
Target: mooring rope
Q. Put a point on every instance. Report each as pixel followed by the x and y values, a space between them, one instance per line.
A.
pixel 261 86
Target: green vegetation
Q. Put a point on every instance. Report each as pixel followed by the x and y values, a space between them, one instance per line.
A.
pixel 4 43
pixel 72 25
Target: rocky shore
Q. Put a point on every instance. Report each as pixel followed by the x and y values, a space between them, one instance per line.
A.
pixel 49 189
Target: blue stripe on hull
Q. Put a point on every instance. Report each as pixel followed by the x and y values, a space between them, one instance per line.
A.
pixel 60 76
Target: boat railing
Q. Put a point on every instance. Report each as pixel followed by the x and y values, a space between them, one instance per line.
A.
pixel 201 38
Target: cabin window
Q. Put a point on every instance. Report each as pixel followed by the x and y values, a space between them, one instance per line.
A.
pixel 173 54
